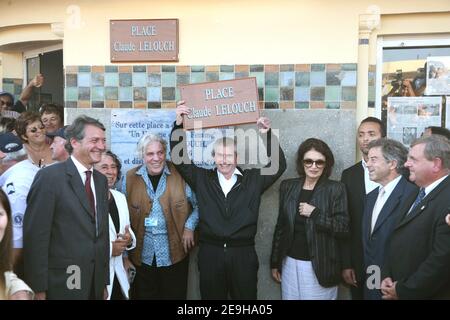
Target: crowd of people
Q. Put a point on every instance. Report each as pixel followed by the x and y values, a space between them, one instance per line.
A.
pixel 67 232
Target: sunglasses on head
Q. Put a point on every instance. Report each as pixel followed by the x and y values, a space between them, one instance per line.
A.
pixel 309 162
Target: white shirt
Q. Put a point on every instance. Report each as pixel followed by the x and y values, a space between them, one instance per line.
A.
pixel 17 182
pixel 383 195
pixel 429 189
pixel 82 171
pixel 369 184
pixel 434 185
pixel 227 184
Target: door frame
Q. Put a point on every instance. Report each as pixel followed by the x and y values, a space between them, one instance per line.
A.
pixel 36 53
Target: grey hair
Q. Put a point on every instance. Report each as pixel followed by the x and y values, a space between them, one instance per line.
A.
pixel 224 141
pixel 146 140
pixel 436 146
pixel 76 130
pixel 16 156
pixel 392 150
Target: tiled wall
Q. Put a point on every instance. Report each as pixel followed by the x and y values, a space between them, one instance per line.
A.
pixel 13 86
pixel 286 86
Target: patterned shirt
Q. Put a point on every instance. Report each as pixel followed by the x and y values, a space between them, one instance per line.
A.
pixel 156 239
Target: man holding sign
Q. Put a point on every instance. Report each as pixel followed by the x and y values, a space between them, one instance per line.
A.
pixel 228 200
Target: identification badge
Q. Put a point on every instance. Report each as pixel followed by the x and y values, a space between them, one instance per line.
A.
pixel 150 222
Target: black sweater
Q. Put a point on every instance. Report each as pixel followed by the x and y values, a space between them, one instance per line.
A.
pixel 232 219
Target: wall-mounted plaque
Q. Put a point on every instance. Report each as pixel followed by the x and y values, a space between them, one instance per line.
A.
pixel 153 40
pixel 221 103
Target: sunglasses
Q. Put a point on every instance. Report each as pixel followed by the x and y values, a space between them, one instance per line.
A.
pixel 7 103
pixel 309 162
pixel 34 129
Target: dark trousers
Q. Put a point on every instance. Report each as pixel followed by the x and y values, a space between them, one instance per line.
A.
pixel 358 293
pixel 161 283
pixel 116 293
pixel 227 272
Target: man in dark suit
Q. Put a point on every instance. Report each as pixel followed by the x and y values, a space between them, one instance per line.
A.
pixel 383 207
pixel 66 226
pixel 358 184
pixel 418 254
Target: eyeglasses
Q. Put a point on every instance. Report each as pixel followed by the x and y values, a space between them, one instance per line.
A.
pixel 7 103
pixel 309 162
pixel 34 129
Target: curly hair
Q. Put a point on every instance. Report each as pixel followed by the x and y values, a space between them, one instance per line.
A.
pixel 319 146
pixel 23 121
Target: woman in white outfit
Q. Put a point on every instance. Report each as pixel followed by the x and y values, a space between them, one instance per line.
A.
pixel 11 287
pixel 120 234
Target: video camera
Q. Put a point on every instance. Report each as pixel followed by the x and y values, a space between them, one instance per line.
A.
pixel 419 81
pixel 398 79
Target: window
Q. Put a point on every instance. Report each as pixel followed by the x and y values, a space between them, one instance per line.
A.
pixel 401 67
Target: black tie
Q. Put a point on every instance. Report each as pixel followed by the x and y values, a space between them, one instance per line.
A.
pixel 89 193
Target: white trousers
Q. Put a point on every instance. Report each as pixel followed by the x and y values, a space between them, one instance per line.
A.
pixel 299 282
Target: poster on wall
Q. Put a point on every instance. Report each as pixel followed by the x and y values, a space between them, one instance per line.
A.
pixel 438 76
pixel 408 117
pixel 128 126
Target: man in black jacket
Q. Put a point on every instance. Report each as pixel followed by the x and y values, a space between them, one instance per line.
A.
pixel 358 185
pixel 228 199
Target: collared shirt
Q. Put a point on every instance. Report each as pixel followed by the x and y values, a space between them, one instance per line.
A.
pixel 369 184
pixel 17 183
pixel 427 190
pixel 227 184
pixel 82 171
pixel 381 201
pixel 156 239
pixel 431 187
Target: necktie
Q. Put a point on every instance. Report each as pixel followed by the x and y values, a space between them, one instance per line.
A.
pixel 419 199
pixel 89 193
pixel 377 207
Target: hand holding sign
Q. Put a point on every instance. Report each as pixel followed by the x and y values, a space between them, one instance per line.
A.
pixel 182 110
pixel 263 124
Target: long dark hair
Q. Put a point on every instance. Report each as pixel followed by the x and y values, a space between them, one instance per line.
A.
pixel 6 252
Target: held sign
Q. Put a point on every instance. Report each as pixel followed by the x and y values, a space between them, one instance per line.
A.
pixel 221 103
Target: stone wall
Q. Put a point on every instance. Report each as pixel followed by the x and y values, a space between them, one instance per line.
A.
pixel 336 127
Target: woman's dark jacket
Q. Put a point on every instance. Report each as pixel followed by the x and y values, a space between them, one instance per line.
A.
pixel 328 223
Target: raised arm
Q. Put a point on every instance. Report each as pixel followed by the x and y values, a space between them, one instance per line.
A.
pixel 178 148
pixel 277 165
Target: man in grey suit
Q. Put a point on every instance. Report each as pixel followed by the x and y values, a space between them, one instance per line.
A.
pixel 66 234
